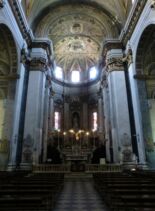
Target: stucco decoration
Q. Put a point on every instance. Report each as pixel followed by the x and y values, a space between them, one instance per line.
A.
pixel 77 32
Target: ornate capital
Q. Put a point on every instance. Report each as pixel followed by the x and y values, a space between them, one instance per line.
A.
pixel 114 64
pixel 23 26
pixel 45 44
pixel 112 55
pixel 104 83
pixel 110 45
pixel 48 81
pixel 129 57
pixel 40 54
pixel 38 64
pixel 133 19
pixel 24 56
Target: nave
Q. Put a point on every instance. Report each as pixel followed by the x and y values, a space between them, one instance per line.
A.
pixel 102 191
pixel 79 194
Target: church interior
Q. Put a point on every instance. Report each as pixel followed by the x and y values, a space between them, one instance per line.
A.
pixel 77 105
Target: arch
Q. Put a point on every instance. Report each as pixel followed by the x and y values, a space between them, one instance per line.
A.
pixel 8 57
pixel 146 37
pixel 145 70
pixel 8 69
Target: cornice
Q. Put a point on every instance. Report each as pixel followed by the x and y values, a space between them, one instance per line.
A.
pixel 21 21
pixel 71 85
pixel 109 45
pixel 132 21
pixel 44 44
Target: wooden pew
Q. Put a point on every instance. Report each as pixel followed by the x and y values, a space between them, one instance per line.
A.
pixel 29 191
pixel 126 191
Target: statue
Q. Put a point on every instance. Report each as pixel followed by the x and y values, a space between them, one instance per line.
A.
pixel 75 121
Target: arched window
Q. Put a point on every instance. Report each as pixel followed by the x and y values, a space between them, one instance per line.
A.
pixel 93 73
pixel 57 120
pixel 58 72
pixel 75 77
pixel 94 121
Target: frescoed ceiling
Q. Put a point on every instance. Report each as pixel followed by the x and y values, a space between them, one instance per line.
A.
pixel 77 28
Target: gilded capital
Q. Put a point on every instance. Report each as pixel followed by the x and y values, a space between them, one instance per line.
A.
pixel 128 58
pixel 114 64
pixel 38 64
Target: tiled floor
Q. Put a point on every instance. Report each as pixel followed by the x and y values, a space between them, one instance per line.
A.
pixel 79 195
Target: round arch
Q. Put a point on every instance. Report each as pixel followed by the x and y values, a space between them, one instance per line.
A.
pixel 145 72
pixel 8 73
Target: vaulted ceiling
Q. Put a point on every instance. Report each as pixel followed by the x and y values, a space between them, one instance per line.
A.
pixel 77 28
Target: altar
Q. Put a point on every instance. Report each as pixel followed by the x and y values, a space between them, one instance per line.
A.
pixel 77 158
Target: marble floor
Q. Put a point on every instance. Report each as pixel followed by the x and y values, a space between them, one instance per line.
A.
pixel 79 195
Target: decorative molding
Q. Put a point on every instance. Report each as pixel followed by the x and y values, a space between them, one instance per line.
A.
pixel 128 58
pixel 48 81
pixel 38 64
pixel 44 44
pixel 23 26
pixel 109 45
pixel 40 56
pixel 104 82
pixel 114 64
pixel 24 57
pixel 127 33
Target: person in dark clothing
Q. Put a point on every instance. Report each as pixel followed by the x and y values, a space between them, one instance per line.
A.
pixel 98 153
pixel 53 154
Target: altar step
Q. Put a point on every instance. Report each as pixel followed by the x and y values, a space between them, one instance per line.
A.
pixel 78 175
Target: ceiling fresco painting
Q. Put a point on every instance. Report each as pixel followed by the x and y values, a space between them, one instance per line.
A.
pixel 77 28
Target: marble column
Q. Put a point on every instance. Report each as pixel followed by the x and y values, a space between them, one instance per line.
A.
pixel 51 114
pixel 33 130
pixel 105 94
pixel 119 113
pixel 16 120
pixel 85 116
pixel 136 109
pixel 100 118
pixel 66 116
pixel 45 121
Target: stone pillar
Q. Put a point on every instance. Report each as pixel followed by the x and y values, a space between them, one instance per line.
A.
pixel 46 120
pixel 119 113
pixel 105 94
pixel 100 118
pixel 51 114
pixel 17 107
pixel 85 116
pixel 139 137
pixel 33 130
pixel 66 116
pixel 66 113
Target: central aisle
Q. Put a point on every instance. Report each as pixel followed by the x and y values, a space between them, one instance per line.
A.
pixel 79 194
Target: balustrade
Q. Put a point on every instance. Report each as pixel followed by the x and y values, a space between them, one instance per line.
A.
pixel 89 168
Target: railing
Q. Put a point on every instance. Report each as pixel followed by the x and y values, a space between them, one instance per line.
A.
pixel 89 168
pixel 60 168
pixel 93 168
